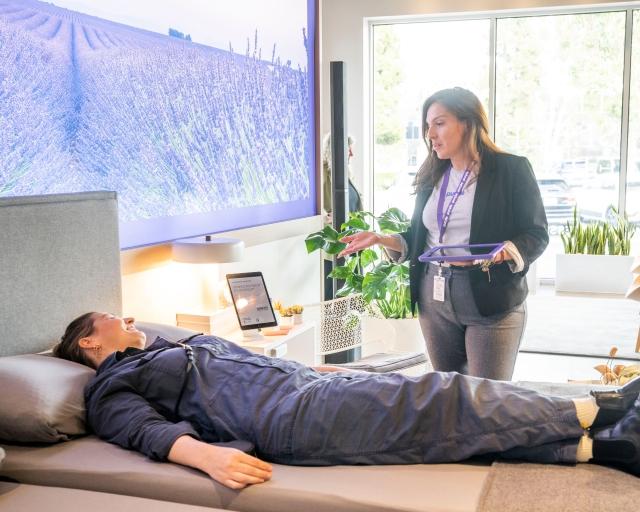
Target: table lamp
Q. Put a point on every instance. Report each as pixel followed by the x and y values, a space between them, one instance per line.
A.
pixel 207 250
pixel 633 292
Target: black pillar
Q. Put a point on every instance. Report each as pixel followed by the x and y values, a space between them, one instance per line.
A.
pixel 339 179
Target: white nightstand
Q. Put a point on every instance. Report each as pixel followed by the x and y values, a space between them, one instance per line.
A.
pixel 298 345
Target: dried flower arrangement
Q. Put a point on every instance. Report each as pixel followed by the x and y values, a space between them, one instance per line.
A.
pixel 296 309
pixel 618 374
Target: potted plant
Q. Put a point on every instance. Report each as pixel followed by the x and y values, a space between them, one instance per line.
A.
pixel 596 258
pixel 297 310
pixel 382 283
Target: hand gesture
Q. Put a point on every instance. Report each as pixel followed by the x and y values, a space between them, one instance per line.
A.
pixel 358 242
pixel 234 468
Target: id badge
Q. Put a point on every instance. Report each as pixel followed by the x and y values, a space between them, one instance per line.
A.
pixel 438 288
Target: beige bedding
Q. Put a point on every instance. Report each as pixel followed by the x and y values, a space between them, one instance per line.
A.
pixel 25 498
pixel 90 464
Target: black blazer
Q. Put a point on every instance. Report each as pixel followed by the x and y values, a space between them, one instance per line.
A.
pixel 507 206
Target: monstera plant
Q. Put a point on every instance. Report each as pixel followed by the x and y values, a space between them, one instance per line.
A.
pixel 369 272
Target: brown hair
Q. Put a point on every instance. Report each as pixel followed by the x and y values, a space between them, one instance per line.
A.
pixel 466 107
pixel 69 346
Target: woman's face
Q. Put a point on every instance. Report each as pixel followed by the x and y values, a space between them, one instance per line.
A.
pixel 445 132
pixel 112 333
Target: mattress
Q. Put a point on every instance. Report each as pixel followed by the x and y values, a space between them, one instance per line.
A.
pixel 25 498
pixel 93 465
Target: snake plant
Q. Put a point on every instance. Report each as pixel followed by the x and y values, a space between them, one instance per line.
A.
pixel 602 237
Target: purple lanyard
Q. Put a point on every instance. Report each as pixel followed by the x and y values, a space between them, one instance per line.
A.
pixel 443 220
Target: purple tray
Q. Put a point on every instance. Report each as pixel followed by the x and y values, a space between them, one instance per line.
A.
pixel 433 253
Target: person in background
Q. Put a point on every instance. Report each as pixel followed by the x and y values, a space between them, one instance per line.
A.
pixel 355 200
pixel 468 191
pixel 172 400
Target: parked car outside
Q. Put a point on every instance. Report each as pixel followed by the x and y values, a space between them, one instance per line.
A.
pixel 557 198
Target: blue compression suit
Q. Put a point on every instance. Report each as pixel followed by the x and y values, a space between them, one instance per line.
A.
pixel 145 399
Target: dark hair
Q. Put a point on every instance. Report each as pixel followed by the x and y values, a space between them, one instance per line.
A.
pixel 69 346
pixel 466 107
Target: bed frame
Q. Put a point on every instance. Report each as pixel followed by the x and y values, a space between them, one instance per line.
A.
pixel 60 258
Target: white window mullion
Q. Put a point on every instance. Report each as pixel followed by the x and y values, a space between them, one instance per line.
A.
pixel 493 33
pixel 626 93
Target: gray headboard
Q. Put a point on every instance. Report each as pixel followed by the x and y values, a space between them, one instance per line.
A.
pixel 59 258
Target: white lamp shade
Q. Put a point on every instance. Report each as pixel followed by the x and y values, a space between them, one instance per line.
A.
pixel 635 266
pixel 207 250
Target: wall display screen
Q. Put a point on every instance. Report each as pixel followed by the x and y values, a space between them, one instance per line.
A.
pixel 251 300
pixel 199 113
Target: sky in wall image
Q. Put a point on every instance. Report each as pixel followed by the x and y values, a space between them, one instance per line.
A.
pixel 175 126
pixel 216 23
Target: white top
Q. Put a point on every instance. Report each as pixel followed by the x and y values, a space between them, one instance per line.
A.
pixel 459 227
pixel 458 231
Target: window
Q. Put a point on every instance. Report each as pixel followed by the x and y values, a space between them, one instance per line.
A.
pixel 557 98
pixel 411 61
pixel 633 160
pixel 563 115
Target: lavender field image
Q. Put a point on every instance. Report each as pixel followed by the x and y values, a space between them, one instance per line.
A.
pixel 175 127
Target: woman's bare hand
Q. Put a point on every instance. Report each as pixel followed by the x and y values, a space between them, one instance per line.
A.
pixel 358 242
pixel 229 466
pixel 234 468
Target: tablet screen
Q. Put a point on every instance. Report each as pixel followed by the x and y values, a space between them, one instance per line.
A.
pixel 251 300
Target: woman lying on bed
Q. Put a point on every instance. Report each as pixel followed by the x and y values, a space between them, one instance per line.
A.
pixel 170 400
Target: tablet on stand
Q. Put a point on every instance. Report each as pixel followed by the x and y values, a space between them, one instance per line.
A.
pixel 251 302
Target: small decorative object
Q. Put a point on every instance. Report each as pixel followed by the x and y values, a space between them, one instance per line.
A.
pixel 287 316
pixel 291 315
pixel 297 310
pixel 619 374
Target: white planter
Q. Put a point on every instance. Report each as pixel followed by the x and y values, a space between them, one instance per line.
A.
pixel 587 273
pixel 392 335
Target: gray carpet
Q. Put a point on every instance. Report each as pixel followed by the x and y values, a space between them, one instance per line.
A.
pixel 581 325
pixel 525 487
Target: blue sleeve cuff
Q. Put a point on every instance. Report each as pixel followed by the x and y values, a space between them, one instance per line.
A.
pixel 160 438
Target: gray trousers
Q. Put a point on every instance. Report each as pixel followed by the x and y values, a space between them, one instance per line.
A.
pixel 459 338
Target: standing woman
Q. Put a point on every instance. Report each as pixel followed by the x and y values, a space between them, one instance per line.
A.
pixel 468 191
